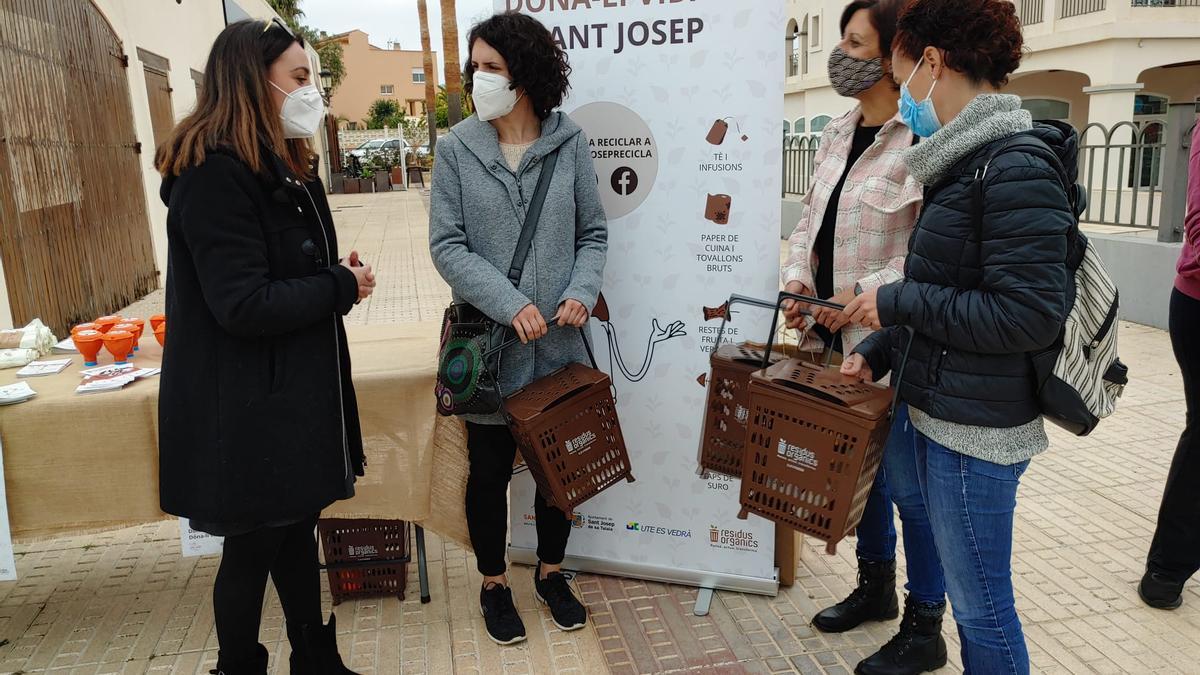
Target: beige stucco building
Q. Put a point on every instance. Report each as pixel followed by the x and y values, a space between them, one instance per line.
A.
pixel 374 73
pixel 1090 61
pixel 166 45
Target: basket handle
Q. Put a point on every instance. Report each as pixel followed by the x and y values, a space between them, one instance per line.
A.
pixel 737 299
pixel 784 295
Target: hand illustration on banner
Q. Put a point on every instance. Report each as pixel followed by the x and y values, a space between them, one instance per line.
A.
pixel 658 334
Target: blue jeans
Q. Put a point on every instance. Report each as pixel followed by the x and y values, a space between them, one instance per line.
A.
pixel 897 483
pixel 971 504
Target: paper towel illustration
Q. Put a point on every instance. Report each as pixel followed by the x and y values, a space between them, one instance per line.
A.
pixel 717 209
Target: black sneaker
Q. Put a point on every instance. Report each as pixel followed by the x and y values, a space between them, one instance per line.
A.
pixel 1160 592
pixel 504 625
pixel 554 592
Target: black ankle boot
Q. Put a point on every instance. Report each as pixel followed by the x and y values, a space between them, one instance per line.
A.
pixel 256 665
pixel 873 600
pixel 918 648
pixel 317 653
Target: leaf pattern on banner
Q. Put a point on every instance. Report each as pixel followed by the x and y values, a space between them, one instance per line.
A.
pixel 664 510
pixel 698 59
pixel 659 458
pixel 757 89
pixel 742 18
pixel 675 156
pixel 670 282
pixel 661 370
pixel 685 431
pixel 660 94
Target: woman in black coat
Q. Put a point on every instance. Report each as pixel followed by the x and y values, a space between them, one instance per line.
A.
pixel 258 424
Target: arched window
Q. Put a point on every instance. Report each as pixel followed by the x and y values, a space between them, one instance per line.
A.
pixel 803 46
pixel 799 127
pixel 787 128
pixel 791 40
pixel 819 122
pixel 1047 109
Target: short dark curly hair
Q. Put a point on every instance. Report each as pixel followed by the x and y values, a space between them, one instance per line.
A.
pixel 982 38
pixel 535 61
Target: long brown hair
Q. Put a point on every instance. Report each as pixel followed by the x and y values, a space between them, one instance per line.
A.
pixel 234 109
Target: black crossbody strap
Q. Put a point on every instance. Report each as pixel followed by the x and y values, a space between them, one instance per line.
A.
pixel 532 215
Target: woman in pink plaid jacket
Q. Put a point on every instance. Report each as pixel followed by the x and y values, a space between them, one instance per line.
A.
pixel 859 214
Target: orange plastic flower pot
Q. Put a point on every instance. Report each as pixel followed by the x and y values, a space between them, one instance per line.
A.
pixel 88 342
pixel 119 343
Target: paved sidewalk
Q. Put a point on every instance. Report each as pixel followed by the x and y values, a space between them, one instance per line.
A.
pixel 126 601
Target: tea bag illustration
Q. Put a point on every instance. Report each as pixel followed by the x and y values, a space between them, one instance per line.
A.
pixel 716 135
pixel 717 209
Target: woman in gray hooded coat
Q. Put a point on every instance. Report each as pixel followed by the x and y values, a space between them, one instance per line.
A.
pixel 486 172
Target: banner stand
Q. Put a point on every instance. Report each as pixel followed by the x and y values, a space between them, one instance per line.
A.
pixel 680 103
pixel 705 580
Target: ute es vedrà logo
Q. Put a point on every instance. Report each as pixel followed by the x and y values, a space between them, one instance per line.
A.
pixel 657 530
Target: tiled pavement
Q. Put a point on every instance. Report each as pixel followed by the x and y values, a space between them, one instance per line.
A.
pixel 126 601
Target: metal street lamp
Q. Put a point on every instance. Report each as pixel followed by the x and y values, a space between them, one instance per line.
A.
pixel 326 83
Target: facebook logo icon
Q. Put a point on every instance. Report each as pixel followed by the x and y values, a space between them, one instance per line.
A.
pixel 624 181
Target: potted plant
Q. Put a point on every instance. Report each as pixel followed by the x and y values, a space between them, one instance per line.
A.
pixel 367 182
pixel 395 168
pixel 381 168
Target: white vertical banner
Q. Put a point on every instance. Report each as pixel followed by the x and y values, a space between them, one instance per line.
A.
pixel 8 563
pixel 681 101
pixel 194 543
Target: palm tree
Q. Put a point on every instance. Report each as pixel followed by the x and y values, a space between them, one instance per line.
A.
pixel 430 89
pixel 289 11
pixel 453 68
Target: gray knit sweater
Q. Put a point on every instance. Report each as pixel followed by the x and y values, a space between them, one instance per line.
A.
pixel 989 117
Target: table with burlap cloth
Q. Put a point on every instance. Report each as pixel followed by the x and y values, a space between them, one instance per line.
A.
pixel 82 463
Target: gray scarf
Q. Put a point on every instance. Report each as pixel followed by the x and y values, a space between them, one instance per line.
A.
pixel 987 118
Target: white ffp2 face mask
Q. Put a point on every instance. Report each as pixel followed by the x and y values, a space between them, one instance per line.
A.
pixel 302 111
pixel 492 95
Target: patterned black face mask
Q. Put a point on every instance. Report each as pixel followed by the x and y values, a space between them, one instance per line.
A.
pixel 851 76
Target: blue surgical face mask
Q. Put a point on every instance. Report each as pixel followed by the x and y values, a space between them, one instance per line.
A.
pixel 920 117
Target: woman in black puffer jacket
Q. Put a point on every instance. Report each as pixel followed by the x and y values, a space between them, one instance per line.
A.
pixel 977 297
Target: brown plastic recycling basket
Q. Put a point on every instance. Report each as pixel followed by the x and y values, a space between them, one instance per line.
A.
pixel 814 442
pixel 364 558
pixel 726 411
pixel 566 427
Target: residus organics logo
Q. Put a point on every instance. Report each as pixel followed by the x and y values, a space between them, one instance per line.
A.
pixel 798 458
pixel 734 540
pixel 580 442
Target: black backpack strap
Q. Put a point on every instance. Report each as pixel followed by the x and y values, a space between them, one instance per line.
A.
pixel 1029 143
pixel 532 215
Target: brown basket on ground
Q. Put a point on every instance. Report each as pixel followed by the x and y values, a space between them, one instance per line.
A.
pixel 728 407
pixel 814 442
pixel 365 558
pixel 566 428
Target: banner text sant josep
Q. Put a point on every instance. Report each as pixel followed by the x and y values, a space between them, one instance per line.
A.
pixel 618 36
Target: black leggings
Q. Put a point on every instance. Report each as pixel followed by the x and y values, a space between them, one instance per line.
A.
pixel 289 555
pixel 1175 550
pixel 491 449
